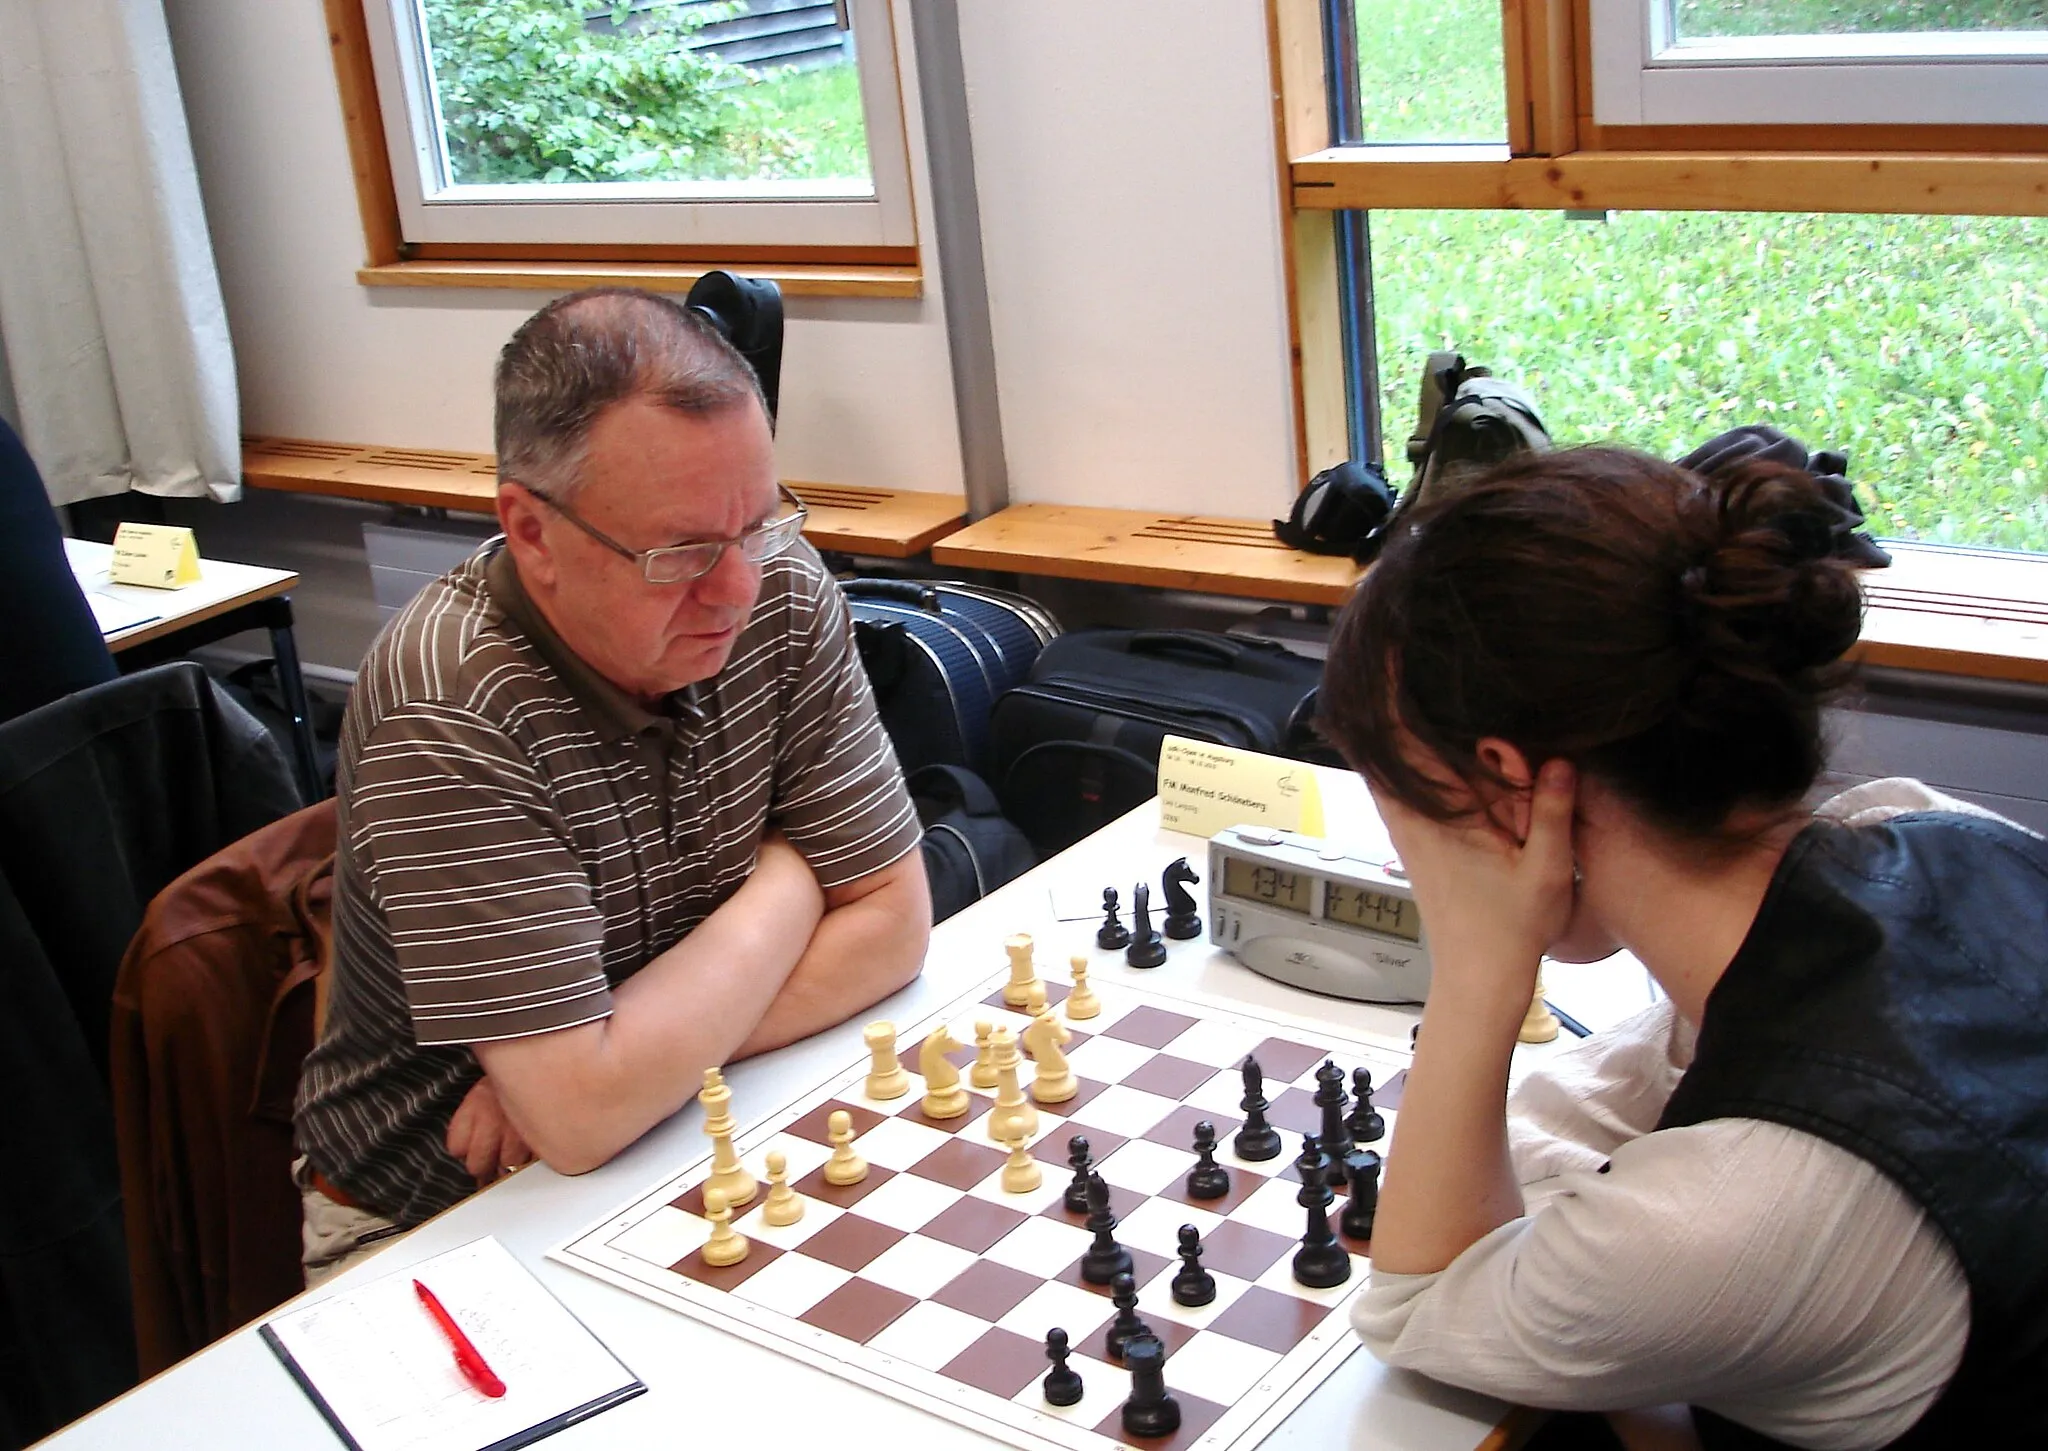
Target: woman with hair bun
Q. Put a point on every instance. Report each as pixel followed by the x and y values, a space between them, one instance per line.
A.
pixel 1802 1202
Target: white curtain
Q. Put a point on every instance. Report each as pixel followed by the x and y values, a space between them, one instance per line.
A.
pixel 110 307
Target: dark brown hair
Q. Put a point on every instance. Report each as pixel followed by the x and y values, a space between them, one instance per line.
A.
pixel 584 352
pixel 1673 637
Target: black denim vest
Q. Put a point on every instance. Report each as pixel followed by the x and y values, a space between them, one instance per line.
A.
pixel 1892 998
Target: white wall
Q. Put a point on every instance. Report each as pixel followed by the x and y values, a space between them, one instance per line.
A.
pixel 1130 217
pixel 1130 222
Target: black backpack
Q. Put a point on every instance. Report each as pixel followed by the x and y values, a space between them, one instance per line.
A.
pixel 1468 421
pixel 970 847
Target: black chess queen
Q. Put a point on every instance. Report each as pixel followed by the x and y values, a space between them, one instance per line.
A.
pixel 1586 692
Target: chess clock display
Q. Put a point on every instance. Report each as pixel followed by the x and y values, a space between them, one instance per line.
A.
pixel 1307 913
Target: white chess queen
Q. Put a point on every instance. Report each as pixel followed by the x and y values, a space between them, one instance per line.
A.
pixel 1585 691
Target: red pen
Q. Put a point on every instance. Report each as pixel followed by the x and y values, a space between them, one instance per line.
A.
pixel 467 1359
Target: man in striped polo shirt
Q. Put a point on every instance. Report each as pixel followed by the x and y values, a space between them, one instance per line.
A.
pixel 616 805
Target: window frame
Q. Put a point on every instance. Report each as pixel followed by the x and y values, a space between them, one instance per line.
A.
pixel 1937 615
pixel 883 260
pixel 1641 76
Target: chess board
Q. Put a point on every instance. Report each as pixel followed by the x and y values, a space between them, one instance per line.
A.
pixel 927 1282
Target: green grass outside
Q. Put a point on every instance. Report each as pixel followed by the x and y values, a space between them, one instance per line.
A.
pixel 1918 346
pixel 822 108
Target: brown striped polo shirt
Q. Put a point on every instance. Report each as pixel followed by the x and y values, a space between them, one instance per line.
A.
pixel 518 837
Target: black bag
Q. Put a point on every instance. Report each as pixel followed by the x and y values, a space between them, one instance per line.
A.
pixel 1077 745
pixel 970 849
pixel 938 653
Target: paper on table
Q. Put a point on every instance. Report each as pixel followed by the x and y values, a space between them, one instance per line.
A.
pixel 114 615
pixel 385 1375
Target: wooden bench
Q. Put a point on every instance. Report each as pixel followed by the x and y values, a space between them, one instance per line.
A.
pixel 1950 611
pixel 855 519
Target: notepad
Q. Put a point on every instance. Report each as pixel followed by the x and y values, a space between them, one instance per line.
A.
pixel 383 1374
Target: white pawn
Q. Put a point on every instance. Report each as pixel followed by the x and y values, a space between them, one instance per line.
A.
pixel 1021 1173
pixel 845 1166
pixel 783 1206
pixel 1539 1024
pixel 1082 1003
pixel 886 1078
pixel 727 1246
pixel 983 1073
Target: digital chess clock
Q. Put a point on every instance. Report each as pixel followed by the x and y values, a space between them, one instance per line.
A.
pixel 1309 914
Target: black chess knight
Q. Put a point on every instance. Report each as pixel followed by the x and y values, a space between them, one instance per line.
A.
pixel 1183 921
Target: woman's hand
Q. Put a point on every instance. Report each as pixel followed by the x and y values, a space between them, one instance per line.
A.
pixel 1495 889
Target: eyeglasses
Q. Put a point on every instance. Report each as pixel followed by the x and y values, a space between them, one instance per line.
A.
pixel 676 563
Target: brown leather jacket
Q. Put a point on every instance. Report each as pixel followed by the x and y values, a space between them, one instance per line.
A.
pixel 213 1010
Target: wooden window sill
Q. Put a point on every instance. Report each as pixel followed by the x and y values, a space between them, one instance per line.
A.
pixel 796 280
pixel 1427 177
pixel 1963 612
pixel 886 523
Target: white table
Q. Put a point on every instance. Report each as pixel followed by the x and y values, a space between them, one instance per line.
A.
pixel 705 1384
pixel 147 626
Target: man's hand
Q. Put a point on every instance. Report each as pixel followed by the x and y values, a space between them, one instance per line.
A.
pixel 483 1137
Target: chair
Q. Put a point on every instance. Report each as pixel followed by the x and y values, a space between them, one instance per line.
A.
pixel 214 1011
pixel 54 646
pixel 105 797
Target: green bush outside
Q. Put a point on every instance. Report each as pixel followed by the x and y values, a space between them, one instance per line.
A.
pixel 529 92
pixel 1916 345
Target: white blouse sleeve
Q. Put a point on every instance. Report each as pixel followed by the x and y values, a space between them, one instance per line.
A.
pixel 1582 1104
pixel 1739 1265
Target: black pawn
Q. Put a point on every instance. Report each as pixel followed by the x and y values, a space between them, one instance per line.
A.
pixel 1123 1293
pixel 1105 1259
pixel 1208 1179
pixel 1151 1411
pixel 1321 1263
pixel 1183 920
pixel 1062 1385
pixel 1335 1137
pixel 1362 1170
pixel 1257 1140
pixel 1148 948
pixel 1192 1285
pixel 1111 934
pixel 1081 1161
pixel 1365 1122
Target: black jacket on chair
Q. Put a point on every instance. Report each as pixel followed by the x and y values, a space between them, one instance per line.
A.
pixel 53 645
pixel 105 797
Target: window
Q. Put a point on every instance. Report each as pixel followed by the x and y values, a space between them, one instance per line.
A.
pixel 636 131
pixel 1817 62
pixel 1879 291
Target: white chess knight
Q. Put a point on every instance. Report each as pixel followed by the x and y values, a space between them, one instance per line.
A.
pixel 1055 1082
pixel 943 1096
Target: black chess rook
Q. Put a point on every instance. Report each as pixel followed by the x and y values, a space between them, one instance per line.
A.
pixel 1362 1174
pixel 1151 1411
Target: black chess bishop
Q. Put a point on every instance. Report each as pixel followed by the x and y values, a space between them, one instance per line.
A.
pixel 1104 1259
pixel 1258 1140
pixel 1148 948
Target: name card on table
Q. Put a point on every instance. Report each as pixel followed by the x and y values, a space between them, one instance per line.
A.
pixel 1204 789
pixel 161 556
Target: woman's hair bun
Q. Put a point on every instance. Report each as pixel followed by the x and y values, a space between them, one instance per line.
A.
pixel 1768 593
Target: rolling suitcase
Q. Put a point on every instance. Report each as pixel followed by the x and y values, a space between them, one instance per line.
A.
pixel 939 653
pixel 1077 745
